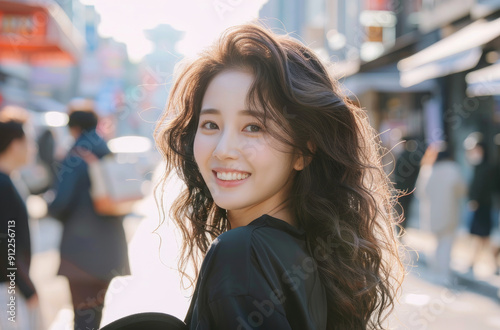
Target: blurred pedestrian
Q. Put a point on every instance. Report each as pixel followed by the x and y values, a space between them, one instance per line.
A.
pixel 18 296
pixel 440 189
pixel 405 176
pixel 495 243
pixel 46 152
pixel 480 200
pixel 93 247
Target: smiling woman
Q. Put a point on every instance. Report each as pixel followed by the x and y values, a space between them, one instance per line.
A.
pixel 229 141
pixel 285 197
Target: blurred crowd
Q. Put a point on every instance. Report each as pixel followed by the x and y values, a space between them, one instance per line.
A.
pixel 93 248
pixel 448 202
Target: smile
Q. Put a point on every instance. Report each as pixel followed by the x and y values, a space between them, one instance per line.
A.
pixel 230 179
pixel 231 176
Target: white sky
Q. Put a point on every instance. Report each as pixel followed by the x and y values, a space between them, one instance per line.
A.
pixel 202 20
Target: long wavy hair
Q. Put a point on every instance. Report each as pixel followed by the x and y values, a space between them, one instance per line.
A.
pixel 342 198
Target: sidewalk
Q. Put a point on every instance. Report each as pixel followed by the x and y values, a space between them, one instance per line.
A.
pixel 483 281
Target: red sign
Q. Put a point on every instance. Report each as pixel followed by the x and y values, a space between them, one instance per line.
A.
pixel 25 34
pixel 23 25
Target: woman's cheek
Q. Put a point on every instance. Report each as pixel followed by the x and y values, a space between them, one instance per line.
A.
pixel 199 149
pixel 252 149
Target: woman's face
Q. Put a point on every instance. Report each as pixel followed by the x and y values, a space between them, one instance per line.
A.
pixel 246 170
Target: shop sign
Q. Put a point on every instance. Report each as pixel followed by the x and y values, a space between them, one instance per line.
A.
pixel 29 25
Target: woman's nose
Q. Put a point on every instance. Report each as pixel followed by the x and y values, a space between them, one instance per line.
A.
pixel 227 147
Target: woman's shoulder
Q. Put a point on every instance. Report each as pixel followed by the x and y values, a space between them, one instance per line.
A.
pixel 233 267
pixel 231 248
pixel 241 251
pixel 230 244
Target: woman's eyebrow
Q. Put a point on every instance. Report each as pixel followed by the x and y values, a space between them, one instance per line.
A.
pixel 246 112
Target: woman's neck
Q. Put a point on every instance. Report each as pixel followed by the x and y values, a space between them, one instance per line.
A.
pixel 239 218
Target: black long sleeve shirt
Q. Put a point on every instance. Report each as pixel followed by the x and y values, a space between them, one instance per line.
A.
pixel 14 226
pixel 259 276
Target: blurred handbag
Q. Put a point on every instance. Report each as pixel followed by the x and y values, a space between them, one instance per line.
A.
pixel 115 187
pixel 37 177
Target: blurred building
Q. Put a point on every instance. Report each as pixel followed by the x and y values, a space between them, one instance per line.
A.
pixel 422 68
pixel 104 73
pixel 286 16
pixel 467 39
pixel 51 52
pixel 363 40
pixel 144 101
pixel 369 37
pixel 39 51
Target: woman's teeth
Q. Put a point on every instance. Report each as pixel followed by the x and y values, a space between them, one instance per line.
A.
pixel 232 176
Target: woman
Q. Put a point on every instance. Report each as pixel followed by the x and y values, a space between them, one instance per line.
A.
pixel 285 196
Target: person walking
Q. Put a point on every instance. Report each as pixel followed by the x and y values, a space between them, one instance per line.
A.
pixel 18 295
pixel 480 201
pixel 440 188
pixel 405 176
pixel 93 247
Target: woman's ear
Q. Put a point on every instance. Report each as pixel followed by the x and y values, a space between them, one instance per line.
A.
pixel 301 162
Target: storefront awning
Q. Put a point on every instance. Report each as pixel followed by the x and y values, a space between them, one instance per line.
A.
pixel 385 79
pixel 458 52
pixel 38 32
pixel 485 81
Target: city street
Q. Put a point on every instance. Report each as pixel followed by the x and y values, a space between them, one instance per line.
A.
pixel 369 102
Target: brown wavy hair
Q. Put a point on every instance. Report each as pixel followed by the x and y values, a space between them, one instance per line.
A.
pixel 342 198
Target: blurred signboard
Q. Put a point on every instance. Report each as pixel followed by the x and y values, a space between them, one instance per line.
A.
pixel 27 25
pixel 37 32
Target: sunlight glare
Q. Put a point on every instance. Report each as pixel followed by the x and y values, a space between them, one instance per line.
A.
pixel 201 20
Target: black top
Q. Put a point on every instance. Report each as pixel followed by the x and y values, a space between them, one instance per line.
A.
pixel 14 235
pixel 483 184
pixel 259 276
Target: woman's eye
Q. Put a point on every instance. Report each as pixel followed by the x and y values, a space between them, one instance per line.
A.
pixel 253 128
pixel 209 125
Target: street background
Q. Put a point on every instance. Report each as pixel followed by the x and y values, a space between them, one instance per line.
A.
pixel 426 72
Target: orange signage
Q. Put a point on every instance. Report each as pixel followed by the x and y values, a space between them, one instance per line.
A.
pixel 23 25
pixel 25 36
